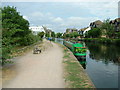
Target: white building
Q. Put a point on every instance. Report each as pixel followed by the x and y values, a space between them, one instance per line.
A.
pixel 86 30
pixel 37 29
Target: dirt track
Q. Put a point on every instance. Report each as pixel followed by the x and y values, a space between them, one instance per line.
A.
pixel 39 70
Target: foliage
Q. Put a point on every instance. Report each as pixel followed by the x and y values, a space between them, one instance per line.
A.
pixel 71 35
pixel 118 35
pixel 59 35
pixel 94 33
pixel 53 34
pixel 29 39
pixel 41 34
pixel 74 34
pixel 15 31
pixel 47 35
pixel 110 30
pixel 107 30
pixel 66 35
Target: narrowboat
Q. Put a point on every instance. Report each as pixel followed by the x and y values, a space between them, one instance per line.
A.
pixel 78 49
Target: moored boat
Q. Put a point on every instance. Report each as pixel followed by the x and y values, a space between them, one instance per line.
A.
pixel 78 49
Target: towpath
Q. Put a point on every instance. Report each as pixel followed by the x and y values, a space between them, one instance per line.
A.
pixel 39 70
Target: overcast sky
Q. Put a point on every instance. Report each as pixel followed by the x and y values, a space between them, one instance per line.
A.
pixel 61 15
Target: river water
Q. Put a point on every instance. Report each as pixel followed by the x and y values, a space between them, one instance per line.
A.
pixel 101 64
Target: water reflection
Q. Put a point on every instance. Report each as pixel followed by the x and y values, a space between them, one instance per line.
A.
pixel 104 53
pixel 101 64
pixel 59 40
pixel 82 61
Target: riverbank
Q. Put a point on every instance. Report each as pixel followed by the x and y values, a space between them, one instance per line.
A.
pixel 74 74
pixel 101 63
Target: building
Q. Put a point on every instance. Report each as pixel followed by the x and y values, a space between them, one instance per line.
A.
pixel 71 30
pixel 81 31
pixel 86 30
pixel 48 31
pixel 116 24
pixel 36 29
pixel 96 24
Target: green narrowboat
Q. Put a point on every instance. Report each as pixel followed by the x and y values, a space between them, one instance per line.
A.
pixel 78 49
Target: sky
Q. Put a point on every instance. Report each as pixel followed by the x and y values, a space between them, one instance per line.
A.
pixel 61 15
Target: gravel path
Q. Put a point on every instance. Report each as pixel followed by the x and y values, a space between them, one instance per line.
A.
pixel 39 70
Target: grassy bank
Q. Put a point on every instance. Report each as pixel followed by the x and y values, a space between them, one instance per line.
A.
pixel 103 40
pixel 74 74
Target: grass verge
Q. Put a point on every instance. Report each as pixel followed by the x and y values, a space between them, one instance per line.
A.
pixel 74 74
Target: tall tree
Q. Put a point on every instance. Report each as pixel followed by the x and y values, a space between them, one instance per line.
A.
pixel 15 31
pixel 53 34
pixel 94 33
pixel 41 34
pixel 109 28
pixel 59 35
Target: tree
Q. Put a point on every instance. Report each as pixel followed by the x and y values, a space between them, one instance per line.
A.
pixel 47 35
pixel 94 33
pixel 13 22
pixel 15 31
pixel 118 35
pixel 41 34
pixel 75 34
pixel 53 34
pixel 110 32
pixel 59 35
pixel 14 26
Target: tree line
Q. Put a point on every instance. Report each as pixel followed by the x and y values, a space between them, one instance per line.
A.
pixel 15 32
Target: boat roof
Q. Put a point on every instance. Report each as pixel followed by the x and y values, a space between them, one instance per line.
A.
pixel 75 44
pixel 78 45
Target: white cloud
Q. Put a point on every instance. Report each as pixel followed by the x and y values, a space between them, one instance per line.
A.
pixel 98 11
pixel 37 14
pixel 71 22
pixel 58 20
pixel 25 17
pixel 79 21
pixel 60 24
pixel 103 10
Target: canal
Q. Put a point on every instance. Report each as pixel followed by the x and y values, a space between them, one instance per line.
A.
pixel 101 64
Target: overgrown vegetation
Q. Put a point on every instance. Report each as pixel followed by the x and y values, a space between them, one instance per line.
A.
pixel 59 35
pixel 94 33
pixel 71 35
pixel 15 32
